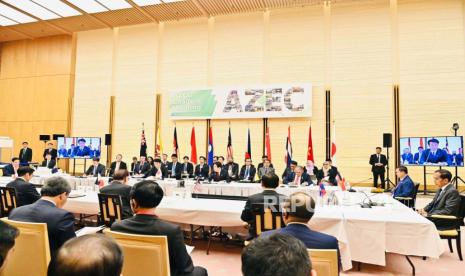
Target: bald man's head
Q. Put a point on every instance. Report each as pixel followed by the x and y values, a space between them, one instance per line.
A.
pixel 95 255
pixel 299 207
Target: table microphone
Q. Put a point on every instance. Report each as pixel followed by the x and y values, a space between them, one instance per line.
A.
pixel 370 202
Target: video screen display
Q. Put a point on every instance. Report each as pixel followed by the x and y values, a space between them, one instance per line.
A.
pixel 444 151
pixel 78 147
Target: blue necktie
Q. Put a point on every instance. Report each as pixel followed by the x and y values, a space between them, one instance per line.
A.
pixel 247 172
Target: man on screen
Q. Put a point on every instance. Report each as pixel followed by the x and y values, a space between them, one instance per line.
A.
pixel 82 150
pixel 417 156
pixel 62 152
pixel 407 157
pixel 434 155
pixel 71 150
pixel 459 158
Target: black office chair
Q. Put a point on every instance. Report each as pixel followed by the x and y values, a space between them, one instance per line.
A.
pixel 8 200
pixel 454 232
pixel 110 209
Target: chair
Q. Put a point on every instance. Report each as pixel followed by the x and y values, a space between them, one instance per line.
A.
pixel 267 217
pixel 110 208
pixel 324 261
pixel 454 232
pixel 410 201
pixel 8 200
pixel 31 253
pixel 143 253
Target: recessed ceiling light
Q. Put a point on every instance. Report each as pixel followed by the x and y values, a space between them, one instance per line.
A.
pixel 14 14
pixel 115 4
pixel 33 9
pixel 89 6
pixel 57 7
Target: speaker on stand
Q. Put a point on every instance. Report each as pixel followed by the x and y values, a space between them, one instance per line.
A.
pixel 387 143
pixel 44 138
pixel 108 144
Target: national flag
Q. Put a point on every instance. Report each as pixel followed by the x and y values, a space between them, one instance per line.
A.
pixel 197 187
pixel 409 144
pixel 342 184
pixel 229 147
pixel 288 153
pixel 268 144
pixel 159 144
pixel 322 189
pixel 333 145
pixel 210 147
pixel 310 146
pixel 248 153
pixel 143 143
pixel 175 142
pixel 193 147
pixel 447 143
pixel 421 143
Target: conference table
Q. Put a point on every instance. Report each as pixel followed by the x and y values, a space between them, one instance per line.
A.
pixel 365 234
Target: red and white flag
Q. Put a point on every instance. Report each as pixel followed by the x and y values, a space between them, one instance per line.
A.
pixel 268 144
pixel 310 156
pixel 333 145
pixel 229 147
pixel 193 147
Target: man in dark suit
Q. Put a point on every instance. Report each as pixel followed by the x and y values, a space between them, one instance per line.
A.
pixel 202 170
pixel 288 174
pixel 119 186
pixel 25 154
pixel 96 168
pixel 218 174
pixel 328 174
pixel 434 155
pixel 417 156
pixel 407 157
pixel 82 150
pixel 232 169
pixel 264 158
pixel 118 164
pixel 265 169
pixel 164 159
pixel 51 150
pixel 378 164
pixel 310 168
pixel 174 167
pixel 187 167
pixel 48 209
pixel 49 162
pixel 300 178
pixel 298 210
pixel 158 170
pixel 63 152
pixel 247 171
pixel 445 202
pixel 26 193
pixel 12 168
pixel 145 197
pixel 459 158
pixel 143 167
pixel 269 196
pixel 405 187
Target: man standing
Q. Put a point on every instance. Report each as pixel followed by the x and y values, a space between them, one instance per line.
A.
pixel 52 151
pixel 25 154
pixel 48 162
pixel 118 164
pixel 247 171
pixel 26 193
pixel 378 164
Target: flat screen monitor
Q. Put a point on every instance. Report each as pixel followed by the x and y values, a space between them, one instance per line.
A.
pixel 79 147
pixel 446 151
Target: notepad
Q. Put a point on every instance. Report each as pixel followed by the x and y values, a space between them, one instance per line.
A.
pixel 89 230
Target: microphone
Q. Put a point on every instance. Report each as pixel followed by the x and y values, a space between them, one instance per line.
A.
pixel 352 190
pixel 370 202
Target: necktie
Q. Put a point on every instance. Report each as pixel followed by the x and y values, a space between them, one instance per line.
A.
pixel 173 169
pixel 95 170
pixel 379 158
pixel 247 172
pixel 437 199
pixel 185 167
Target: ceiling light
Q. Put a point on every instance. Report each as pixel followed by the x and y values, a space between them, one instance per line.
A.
pixel 15 15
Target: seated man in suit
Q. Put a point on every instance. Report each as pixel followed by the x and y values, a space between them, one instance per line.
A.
pixel 405 187
pixel 158 171
pixel 278 255
pixel 52 151
pixel 26 193
pixel 218 174
pixel 264 158
pixel 96 169
pixel 118 164
pixel 133 163
pixel 145 197
pixel 174 167
pixel 12 169
pixel 49 162
pixel 417 156
pixel 298 210
pixel 407 157
pixel 187 167
pixel 328 174
pixel 247 171
pixel 164 159
pixel 202 170
pixel 265 169
pixel 288 174
pixel 62 152
pixel 119 186
pixel 48 209
pixel 8 235
pixel 310 168
pixel 445 202
pixel 221 160
pixel 82 150
pixel 269 196
pixel 141 168
pixel 300 178
pixel 232 169
pixel 434 155
pixel 103 257
pixel 72 147
pixel 25 154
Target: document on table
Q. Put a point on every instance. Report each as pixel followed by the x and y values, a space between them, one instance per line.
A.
pixel 89 230
pixel 189 249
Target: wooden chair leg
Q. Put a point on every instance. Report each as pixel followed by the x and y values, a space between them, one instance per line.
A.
pixel 209 243
pixel 459 247
pixel 192 234
pixel 449 241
